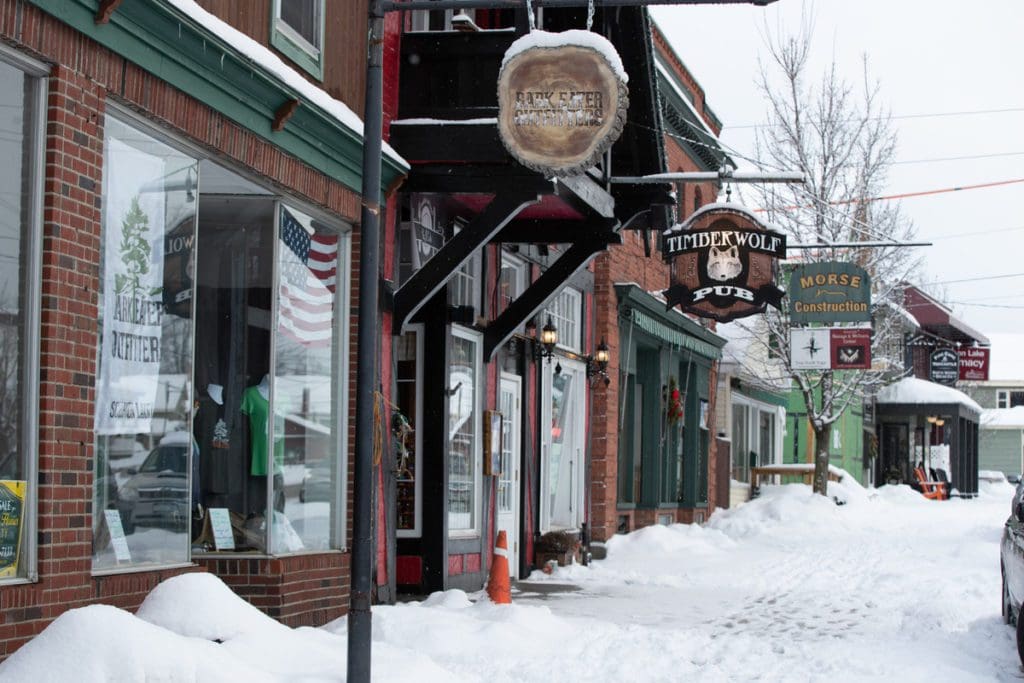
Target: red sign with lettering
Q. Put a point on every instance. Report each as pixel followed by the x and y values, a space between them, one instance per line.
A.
pixel 973 363
pixel 851 348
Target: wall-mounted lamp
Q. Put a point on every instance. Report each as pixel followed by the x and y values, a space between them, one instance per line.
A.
pixel 547 342
pixel 597 364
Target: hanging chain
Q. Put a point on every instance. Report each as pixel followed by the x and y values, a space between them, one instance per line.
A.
pixel 529 15
pixel 590 14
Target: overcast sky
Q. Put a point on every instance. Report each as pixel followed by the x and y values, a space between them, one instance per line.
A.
pixel 936 60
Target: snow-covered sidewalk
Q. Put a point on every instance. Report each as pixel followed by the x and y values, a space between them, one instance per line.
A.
pixel 790 587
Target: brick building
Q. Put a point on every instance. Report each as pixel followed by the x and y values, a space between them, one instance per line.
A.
pixel 181 191
pixel 654 455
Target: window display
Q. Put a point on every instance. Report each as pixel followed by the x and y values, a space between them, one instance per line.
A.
pixel 403 428
pixel 143 395
pixel 227 437
pixel 464 441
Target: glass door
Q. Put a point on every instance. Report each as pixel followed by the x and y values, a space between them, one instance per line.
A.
pixel 564 407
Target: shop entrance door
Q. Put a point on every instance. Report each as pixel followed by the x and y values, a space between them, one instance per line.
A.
pixel 508 479
pixel 562 456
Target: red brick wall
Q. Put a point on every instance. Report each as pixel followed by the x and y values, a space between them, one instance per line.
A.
pixel 627 263
pixel 301 590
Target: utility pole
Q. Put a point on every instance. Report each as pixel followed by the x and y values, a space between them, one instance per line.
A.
pixel 359 617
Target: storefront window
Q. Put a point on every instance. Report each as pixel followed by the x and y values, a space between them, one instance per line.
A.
pixel 144 448
pixel 225 436
pixel 741 454
pixel 269 390
pixel 308 353
pixel 463 432
pixel 408 381
pixel 20 139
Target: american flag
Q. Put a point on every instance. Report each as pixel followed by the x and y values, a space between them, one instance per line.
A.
pixel 309 268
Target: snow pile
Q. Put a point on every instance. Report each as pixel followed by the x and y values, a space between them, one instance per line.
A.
pixel 791 586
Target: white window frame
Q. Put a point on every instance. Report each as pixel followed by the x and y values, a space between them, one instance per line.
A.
pixel 1002 398
pixel 566 313
pixel 520 278
pixel 478 404
pixel 38 73
pixel 752 428
pixel 419 329
pixel 467 278
pixel 339 538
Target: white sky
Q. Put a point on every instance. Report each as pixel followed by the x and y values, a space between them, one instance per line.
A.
pixel 790 587
pixel 933 58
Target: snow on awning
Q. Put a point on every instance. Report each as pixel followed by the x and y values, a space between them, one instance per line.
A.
pixel 912 390
pixel 265 58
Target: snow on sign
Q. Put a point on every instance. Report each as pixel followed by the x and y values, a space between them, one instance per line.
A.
pixel 562 100
pixel 724 262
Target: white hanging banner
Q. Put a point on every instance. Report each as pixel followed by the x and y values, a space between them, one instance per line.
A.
pixel 133 309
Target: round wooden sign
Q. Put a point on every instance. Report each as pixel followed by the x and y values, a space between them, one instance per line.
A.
pixel 560 108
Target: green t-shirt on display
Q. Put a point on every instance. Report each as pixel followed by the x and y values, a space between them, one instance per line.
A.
pixel 257 408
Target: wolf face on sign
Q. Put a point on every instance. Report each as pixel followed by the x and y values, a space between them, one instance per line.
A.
pixel 724 264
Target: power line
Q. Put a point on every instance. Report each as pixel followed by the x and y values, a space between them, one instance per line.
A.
pixel 978 279
pixel 976 232
pixel 906 195
pixel 934 115
pixel 963 158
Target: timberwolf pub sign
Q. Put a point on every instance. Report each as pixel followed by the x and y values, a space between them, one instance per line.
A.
pixel 562 100
pixel 725 263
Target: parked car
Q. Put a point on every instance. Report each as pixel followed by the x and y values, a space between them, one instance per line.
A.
pixel 1011 560
pixel 316 485
pixel 157 495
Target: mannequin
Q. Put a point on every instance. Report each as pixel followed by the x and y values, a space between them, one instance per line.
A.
pixel 256 406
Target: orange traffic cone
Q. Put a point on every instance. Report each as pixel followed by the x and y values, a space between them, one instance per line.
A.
pixel 498 588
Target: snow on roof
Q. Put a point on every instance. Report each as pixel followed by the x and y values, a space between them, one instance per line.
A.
pixel 1003 418
pixel 563 38
pixel 265 58
pixel 919 391
pixel 903 313
pixel 671 78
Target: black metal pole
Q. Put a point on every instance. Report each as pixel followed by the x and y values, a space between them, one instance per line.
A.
pixel 359 617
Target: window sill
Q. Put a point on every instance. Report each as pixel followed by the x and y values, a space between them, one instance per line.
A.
pixel 100 573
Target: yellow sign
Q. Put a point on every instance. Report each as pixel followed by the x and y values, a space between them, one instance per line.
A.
pixel 12 508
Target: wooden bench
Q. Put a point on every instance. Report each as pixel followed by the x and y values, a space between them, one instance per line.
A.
pixel 803 470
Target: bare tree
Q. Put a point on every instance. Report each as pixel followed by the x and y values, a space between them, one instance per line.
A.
pixel 841 138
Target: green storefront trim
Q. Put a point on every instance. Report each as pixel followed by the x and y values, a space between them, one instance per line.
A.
pixel 670 326
pixel 171 45
pixel 762 395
